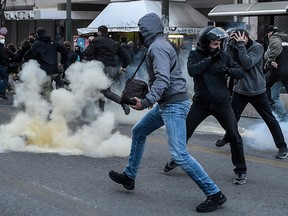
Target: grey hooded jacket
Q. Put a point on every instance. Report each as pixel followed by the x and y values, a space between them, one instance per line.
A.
pixel 250 57
pixel 278 51
pixel 166 81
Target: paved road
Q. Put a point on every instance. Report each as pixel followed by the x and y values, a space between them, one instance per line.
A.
pixel 50 184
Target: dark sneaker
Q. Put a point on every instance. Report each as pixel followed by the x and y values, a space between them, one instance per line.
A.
pixel 212 202
pixel 282 153
pixel 122 178
pixel 170 167
pixel 3 96
pixel 126 109
pixel 221 142
pixel 240 179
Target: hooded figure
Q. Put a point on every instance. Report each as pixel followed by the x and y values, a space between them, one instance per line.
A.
pixel 168 91
pixel 165 76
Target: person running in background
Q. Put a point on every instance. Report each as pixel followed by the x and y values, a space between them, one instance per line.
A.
pixel 209 66
pixel 276 59
pixel 251 89
pixel 45 51
pixel 103 48
pixel 168 92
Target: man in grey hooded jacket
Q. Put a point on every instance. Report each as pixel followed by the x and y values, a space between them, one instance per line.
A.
pixel 169 94
pixel 251 89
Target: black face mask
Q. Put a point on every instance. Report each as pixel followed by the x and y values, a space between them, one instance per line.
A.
pixel 141 38
pixel 31 40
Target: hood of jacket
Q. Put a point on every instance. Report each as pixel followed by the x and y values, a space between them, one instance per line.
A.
pixel 282 35
pixel 150 27
pixel 44 38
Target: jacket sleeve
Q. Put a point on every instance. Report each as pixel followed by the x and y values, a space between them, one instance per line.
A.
pixel 196 67
pixel 236 71
pixel 161 70
pixel 251 58
pixel 274 49
pixel 89 51
pixel 32 53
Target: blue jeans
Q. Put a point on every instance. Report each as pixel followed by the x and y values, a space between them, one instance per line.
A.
pixel 173 116
pixel 277 105
pixel 4 79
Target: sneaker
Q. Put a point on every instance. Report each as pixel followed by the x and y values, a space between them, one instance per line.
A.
pixel 240 179
pixel 3 96
pixel 221 142
pixel 122 178
pixel 170 167
pixel 212 202
pixel 126 109
pixel 282 153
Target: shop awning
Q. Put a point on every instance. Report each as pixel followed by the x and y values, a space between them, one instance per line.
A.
pixel 124 16
pixel 254 9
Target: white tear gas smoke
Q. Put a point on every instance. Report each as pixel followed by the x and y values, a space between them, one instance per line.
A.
pixel 259 137
pixel 30 130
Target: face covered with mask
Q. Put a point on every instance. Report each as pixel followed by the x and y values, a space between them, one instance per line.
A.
pixel 2 39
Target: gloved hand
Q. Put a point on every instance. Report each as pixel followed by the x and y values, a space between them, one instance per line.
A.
pixel 215 54
pixel 225 70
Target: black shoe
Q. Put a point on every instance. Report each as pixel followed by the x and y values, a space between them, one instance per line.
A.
pixel 221 142
pixel 3 96
pixel 212 202
pixel 240 179
pixel 282 153
pixel 122 178
pixel 126 109
pixel 170 167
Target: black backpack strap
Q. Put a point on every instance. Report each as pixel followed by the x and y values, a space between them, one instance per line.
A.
pixel 172 68
pixel 139 66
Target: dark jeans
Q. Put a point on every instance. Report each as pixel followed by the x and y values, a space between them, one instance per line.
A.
pixel 261 104
pixel 225 116
pixel 3 79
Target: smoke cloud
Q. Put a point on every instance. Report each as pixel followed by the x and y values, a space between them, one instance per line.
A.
pixel 75 125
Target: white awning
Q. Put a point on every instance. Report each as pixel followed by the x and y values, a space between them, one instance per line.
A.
pixel 124 16
pixel 255 9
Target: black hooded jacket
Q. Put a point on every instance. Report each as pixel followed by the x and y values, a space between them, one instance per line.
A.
pixel 45 51
pixel 210 83
pixel 105 49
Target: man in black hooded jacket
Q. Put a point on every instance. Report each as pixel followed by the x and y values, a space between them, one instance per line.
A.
pixel 103 48
pixel 45 51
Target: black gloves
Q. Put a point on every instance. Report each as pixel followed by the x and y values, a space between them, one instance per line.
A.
pixel 225 70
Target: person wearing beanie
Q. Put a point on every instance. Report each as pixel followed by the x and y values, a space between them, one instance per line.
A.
pixel 45 51
pixel 252 88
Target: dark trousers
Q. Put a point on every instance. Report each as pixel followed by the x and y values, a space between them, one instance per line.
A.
pixel 225 116
pixel 261 104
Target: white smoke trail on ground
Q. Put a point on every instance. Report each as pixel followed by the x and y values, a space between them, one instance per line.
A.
pixel 30 130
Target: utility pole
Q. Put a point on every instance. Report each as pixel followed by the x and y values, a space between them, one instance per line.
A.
pixel 165 13
pixel 68 21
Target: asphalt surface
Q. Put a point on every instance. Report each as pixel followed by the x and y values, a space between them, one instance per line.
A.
pixel 40 184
